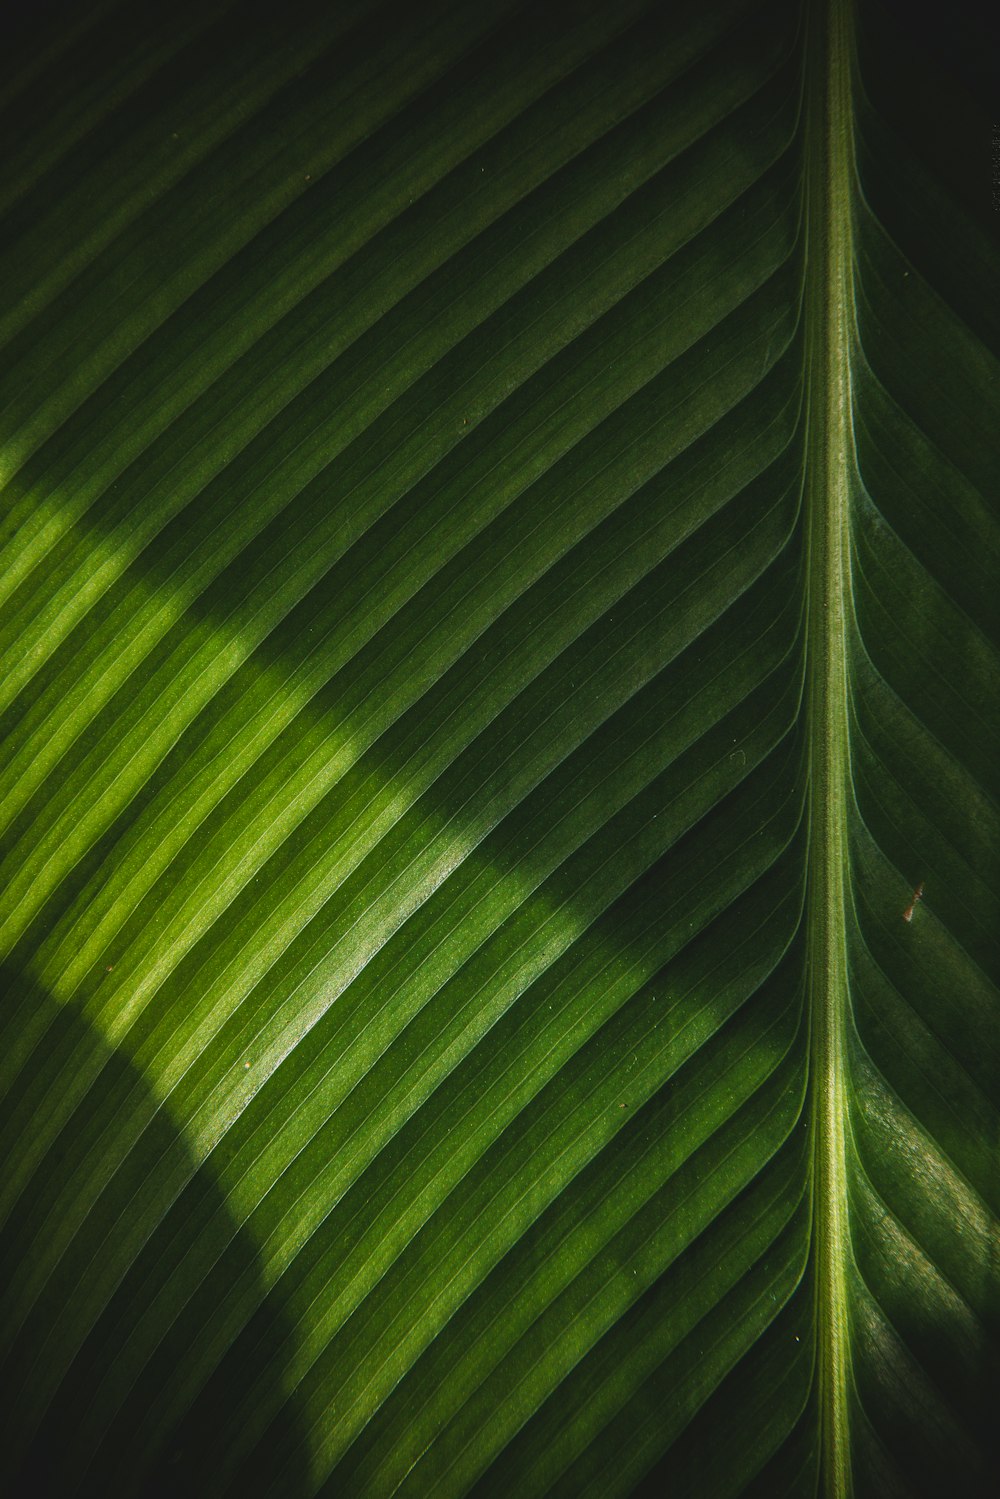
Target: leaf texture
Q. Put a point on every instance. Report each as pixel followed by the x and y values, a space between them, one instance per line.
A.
pixel 411 796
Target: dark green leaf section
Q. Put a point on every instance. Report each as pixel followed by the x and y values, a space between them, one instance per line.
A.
pixel 926 1071
pixel 402 790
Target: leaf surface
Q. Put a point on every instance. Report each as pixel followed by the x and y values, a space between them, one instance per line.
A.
pixel 498 618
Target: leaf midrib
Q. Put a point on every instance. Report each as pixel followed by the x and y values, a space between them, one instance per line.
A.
pixel 829 446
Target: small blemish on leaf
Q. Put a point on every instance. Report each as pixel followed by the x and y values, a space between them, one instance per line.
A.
pixel 917 895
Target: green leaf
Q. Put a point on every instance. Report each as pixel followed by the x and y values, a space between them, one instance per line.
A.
pixel 498 611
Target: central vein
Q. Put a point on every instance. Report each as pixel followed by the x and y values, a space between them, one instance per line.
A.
pixel 829 302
